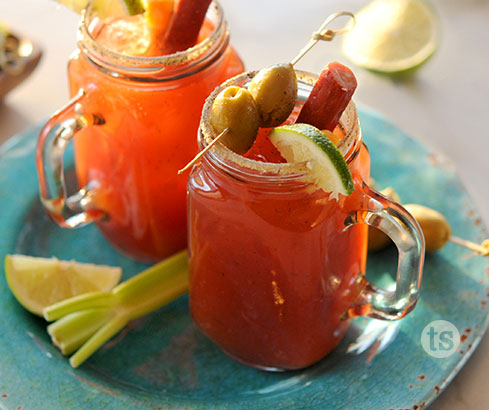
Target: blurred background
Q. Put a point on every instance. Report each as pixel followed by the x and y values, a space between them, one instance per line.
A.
pixel 444 105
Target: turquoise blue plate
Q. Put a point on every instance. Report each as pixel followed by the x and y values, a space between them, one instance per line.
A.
pixel 162 361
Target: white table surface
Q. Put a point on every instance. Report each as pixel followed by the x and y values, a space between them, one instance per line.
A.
pixel 446 106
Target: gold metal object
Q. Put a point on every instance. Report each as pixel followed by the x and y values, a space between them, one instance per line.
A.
pixel 13 52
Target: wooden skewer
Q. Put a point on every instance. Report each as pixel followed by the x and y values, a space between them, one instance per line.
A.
pixel 325 34
pixel 482 249
pixel 199 155
pixel 321 34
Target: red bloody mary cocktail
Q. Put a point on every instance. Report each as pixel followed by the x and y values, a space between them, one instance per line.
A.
pixel 147 110
pixel 273 269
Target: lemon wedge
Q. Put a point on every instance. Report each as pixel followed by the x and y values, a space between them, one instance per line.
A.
pixel 106 8
pixel 39 282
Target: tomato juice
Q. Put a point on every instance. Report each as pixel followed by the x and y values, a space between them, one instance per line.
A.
pixel 272 268
pixel 147 113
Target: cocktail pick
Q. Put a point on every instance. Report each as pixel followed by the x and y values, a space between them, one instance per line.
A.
pixel 482 249
pixel 201 153
pixel 324 34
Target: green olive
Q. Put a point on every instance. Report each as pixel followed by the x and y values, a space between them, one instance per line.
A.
pixel 434 225
pixel 275 91
pixel 377 239
pixel 235 109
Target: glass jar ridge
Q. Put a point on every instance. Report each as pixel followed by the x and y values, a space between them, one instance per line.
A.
pixel 154 68
pixel 133 122
pixel 267 172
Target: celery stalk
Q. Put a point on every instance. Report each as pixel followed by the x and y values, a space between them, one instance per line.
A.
pixel 86 322
pixel 78 303
pixel 111 328
pixel 71 331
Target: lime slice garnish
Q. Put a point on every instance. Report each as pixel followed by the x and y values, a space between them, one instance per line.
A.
pixel 305 143
pixel 392 36
pixel 107 8
pixel 39 282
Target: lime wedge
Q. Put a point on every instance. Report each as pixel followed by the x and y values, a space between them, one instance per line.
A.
pixel 392 36
pixel 107 8
pixel 304 142
pixel 40 282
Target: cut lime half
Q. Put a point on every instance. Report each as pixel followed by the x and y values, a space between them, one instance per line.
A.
pixel 393 36
pixel 305 143
pixel 106 8
pixel 40 282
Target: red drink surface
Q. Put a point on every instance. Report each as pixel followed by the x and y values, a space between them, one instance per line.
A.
pixel 149 132
pixel 138 36
pixel 272 269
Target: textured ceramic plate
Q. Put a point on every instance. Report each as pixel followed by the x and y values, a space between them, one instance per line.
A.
pixel 162 360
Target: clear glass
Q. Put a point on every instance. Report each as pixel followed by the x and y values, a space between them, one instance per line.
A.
pixel 133 120
pixel 277 266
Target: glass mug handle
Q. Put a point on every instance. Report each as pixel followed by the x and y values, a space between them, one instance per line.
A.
pixel 67 211
pixel 392 219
